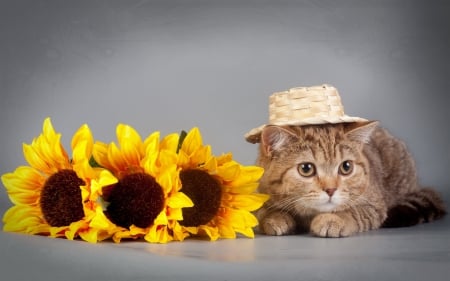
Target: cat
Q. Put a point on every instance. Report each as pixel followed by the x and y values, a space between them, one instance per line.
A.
pixel 335 180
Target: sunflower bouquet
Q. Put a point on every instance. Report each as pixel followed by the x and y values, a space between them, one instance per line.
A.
pixel 159 189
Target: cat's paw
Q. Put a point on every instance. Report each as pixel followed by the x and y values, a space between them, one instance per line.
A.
pixel 278 224
pixel 329 225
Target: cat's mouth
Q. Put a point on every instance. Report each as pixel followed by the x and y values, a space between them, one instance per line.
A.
pixel 328 204
pixel 327 207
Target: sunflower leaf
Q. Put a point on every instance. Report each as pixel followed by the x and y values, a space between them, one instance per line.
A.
pixel 183 135
pixel 93 163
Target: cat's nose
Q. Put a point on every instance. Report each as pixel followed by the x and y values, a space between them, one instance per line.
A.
pixel 330 191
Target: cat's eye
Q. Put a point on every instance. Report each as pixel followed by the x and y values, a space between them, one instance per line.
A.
pixel 346 167
pixel 307 169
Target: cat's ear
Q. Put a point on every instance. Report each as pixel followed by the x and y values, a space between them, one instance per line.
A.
pixel 273 137
pixel 360 132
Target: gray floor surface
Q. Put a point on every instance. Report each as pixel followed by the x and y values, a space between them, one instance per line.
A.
pixel 416 253
pixel 172 65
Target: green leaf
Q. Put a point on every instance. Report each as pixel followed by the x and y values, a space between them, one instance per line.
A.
pixel 94 163
pixel 183 135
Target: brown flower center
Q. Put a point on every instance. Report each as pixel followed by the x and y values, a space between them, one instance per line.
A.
pixel 205 192
pixel 136 199
pixel 61 198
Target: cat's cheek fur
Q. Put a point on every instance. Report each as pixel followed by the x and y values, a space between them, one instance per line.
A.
pixel 278 223
pixel 381 188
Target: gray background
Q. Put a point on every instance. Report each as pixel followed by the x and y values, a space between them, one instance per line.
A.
pixel 172 65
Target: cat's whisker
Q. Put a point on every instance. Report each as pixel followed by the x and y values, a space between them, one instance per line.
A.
pixel 335 174
pixel 286 205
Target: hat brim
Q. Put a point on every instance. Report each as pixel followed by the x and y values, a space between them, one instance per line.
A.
pixel 254 135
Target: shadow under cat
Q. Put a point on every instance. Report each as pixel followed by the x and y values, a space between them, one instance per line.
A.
pixel 334 175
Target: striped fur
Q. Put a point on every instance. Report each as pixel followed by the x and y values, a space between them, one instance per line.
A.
pixel 380 190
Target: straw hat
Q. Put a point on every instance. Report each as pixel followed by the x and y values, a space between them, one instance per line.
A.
pixel 304 106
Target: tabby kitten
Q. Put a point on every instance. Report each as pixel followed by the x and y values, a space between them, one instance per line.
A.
pixel 339 179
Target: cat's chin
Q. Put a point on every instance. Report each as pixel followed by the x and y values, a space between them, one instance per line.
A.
pixel 326 207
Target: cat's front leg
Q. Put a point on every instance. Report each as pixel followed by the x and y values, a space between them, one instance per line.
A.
pixel 346 223
pixel 277 223
pixel 329 225
pixel 333 225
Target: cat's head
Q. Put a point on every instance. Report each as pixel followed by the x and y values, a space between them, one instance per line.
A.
pixel 317 168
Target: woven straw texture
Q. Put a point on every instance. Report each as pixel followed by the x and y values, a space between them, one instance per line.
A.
pixel 304 106
pixel 302 103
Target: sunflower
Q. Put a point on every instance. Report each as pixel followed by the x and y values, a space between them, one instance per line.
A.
pixel 55 195
pixel 145 202
pixel 222 190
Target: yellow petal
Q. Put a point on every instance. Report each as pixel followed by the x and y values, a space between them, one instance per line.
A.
pixel 24 179
pixel 33 158
pixel 226 231
pixel 55 150
pixel 211 232
pixel 192 142
pixel 127 134
pixel 131 144
pixel 158 235
pixel 229 171
pixel 211 165
pixel 149 162
pixel 81 152
pixel 247 231
pixel 40 228
pixel 168 179
pixel 47 128
pixel 175 214
pixel 59 154
pixel 100 153
pixel 248 174
pixel 192 229
pixel 152 235
pixel 179 200
pixel 74 229
pixel 17 213
pixel 183 159
pixel 83 134
pixel 170 142
pixel 100 221
pixel 200 156
pixel 102 235
pixel 178 233
pixel 161 219
pixel 248 202
pixel 135 231
pixel 90 235
pixel 116 158
pixel 43 148
pixel 24 226
pixel 167 158
pixel 31 175
pixel 18 198
pixel 105 178
pixel 81 161
pixel 118 236
pixel 224 158
pixel 242 218
pixel 151 143
pixel 241 189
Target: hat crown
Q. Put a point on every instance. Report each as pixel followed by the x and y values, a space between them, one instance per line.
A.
pixel 304 106
pixel 300 104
